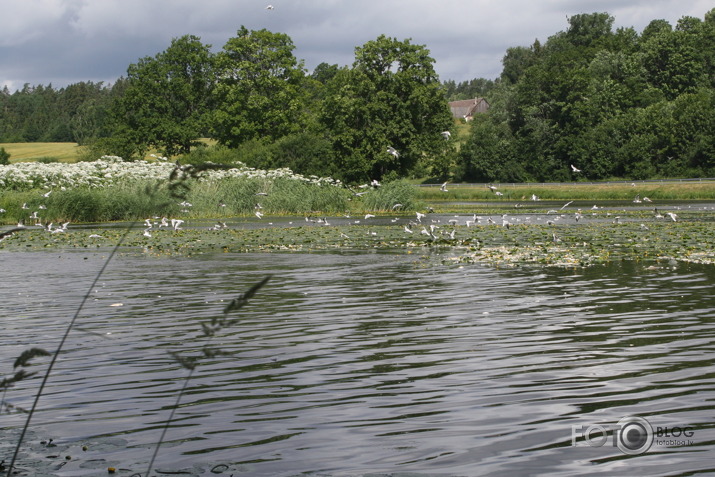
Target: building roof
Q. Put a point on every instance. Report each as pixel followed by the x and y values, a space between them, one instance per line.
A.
pixel 466 108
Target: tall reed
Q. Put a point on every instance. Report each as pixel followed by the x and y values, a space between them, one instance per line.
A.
pixel 158 197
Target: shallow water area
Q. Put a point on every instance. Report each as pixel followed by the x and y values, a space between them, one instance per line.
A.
pixel 358 363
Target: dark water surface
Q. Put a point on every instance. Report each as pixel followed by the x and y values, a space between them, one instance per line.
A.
pixel 362 363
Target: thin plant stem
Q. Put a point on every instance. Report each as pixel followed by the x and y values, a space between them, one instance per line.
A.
pixel 169 421
pixel 233 305
pixel 59 347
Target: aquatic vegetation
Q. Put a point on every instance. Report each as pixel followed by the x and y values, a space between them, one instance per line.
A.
pixel 565 244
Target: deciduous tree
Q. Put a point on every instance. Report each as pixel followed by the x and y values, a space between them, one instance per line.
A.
pixel 166 103
pixel 258 92
pixel 391 97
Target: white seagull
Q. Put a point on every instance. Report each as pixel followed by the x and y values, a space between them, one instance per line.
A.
pixel 575 169
pixel 443 188
pixel 393 151
pixel 446 134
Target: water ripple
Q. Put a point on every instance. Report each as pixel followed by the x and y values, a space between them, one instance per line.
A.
pixel 357 363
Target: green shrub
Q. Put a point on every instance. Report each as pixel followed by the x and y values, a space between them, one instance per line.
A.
pixel 4 157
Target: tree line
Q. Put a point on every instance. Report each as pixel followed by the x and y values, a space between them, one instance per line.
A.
pixel 610 103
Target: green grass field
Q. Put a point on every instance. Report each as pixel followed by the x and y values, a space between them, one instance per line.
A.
pixel 32 151
pixel 62 151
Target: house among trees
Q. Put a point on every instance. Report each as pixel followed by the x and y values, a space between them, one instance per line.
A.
pixel 467 108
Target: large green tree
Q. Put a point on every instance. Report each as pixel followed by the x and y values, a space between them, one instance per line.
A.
pixel 166 103
pixel 258 92
pixel 390 98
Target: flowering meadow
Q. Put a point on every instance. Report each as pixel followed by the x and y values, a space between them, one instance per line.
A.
pixel 110 189
pixel 112 170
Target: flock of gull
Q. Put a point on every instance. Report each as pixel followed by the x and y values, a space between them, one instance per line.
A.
pixel 435 226
pixel 432 229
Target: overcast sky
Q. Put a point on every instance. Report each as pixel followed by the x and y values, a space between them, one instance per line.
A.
pixel 60 42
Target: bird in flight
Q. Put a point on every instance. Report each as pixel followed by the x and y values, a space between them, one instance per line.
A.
pixel 446 134
pixel 443 188
pixel 575 169
pixel 270 7
pixel 393 151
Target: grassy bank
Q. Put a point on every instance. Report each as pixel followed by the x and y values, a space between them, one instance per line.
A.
pixel 114 190
pixel 685 190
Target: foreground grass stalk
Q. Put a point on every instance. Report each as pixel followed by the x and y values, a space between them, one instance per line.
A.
pixel 56 354
pixel 209 331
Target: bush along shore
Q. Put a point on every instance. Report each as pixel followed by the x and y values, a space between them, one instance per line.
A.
pixel 110 190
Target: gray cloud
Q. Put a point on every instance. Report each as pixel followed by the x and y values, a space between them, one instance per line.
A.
pixel 66 41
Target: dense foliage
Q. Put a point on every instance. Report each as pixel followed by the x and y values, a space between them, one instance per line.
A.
pixel 610 103
pixel 590 102
pixel 76 113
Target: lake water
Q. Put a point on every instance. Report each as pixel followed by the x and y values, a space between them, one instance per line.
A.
pixel 361 363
